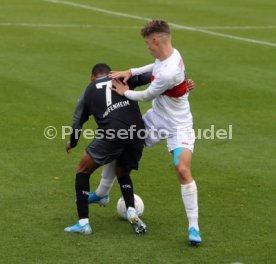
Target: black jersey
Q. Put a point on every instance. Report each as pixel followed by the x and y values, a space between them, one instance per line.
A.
pixel 112 112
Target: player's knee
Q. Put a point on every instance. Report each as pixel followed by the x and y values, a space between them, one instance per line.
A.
pixel 83 168
pixel 122 172
pixel 183 171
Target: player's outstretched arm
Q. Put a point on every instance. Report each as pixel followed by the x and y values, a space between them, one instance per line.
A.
pixel 139 80
pixel 123 89
pixel 131 72
pixel 146 95
pixel 120 87
pixel 121 74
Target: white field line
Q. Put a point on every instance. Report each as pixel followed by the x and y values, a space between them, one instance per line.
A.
pixel 228 36
pixel 101 10
pixel 106 11
pixel 237 27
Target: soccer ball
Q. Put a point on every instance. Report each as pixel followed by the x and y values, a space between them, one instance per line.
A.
pixel 139 206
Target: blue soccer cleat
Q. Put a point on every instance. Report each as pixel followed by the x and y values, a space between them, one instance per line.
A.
pixel 194 237
pixel 77 228
pixel 101 200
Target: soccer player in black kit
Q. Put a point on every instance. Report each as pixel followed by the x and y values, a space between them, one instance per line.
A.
pixel 117 138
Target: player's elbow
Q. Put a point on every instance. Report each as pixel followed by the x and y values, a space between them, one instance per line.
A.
pixel 146 99
pixel 148 96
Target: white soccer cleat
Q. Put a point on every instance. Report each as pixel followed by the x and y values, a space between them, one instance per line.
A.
pixel 139 227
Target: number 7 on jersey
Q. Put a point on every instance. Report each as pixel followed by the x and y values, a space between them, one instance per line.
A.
pixel 107 85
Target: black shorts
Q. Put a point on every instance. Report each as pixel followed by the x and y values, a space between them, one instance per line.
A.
pixel 127 155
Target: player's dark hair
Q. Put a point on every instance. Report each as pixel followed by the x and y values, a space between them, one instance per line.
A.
pixel 155 26
pixel 100 68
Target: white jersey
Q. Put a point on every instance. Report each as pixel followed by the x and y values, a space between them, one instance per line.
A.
pixel 168 91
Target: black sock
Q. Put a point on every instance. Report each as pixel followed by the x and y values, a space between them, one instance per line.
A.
pixel 127 190
pixel 82 191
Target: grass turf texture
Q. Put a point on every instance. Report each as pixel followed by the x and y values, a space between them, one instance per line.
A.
pixel 42 72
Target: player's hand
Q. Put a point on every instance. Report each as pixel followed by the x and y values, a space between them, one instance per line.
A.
pixel 120 87
pixel 190 84
pixel 121 74
pixel 68 147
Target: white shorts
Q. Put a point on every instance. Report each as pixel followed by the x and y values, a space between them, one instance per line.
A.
pixel 177 137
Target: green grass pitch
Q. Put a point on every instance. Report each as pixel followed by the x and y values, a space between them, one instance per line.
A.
pixel 46 52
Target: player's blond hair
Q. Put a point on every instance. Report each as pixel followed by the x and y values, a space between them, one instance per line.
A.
pixel 155 26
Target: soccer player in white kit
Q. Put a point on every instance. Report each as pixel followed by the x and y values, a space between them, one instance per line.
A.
pixel 170 111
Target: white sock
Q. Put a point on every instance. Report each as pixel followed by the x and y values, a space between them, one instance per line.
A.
pixel 189 197
pixel 107 180
pixel 84 221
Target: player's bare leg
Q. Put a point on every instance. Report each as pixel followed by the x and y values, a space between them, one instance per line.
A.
pixel 87 164
pixel 183 159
